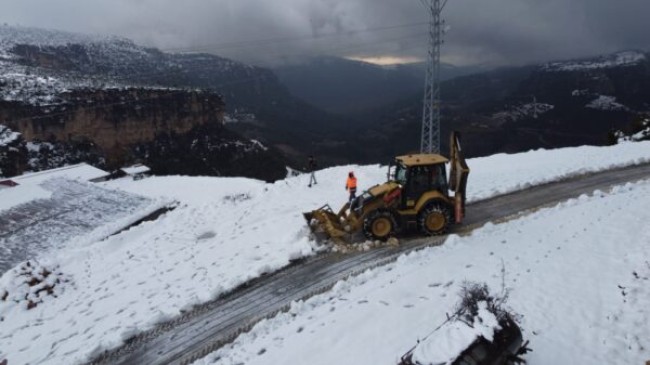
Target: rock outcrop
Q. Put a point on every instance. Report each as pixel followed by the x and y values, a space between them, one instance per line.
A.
pixel 115 119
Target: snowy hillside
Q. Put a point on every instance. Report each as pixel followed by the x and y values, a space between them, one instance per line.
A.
pixel 604 102
pixel 21 81
pixel 621 59
pixel 227 231
pixel 11 36
pixel 17 84
pixel 99 51
pixel 518 112
pixel 36 61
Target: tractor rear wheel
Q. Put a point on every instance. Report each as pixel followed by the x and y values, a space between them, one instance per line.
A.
pixel 379 225
pixel 434 219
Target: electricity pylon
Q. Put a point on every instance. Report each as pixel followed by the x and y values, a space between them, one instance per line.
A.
pixel 430 142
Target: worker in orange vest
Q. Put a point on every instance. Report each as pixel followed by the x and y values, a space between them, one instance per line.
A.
pixel 351 186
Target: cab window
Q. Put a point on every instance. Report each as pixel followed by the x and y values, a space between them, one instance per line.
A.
pixel 400 174
pixel 439 177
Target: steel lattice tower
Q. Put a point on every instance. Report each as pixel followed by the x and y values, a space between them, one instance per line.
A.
pixel 430 142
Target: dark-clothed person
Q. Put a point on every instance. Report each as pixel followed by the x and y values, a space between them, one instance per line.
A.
pixel 311 165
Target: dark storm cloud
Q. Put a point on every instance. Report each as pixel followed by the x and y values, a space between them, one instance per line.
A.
pixel 481 31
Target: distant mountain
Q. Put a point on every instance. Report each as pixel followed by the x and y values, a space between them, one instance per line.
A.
pixel 75 87
pixel 38 66
pixel 564 103
pixel 345 86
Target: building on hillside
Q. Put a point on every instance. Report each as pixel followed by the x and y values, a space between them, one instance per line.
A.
pixel 137 172
pixel 80 172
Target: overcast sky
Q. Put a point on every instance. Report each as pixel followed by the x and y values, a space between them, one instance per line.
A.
pixel 485 32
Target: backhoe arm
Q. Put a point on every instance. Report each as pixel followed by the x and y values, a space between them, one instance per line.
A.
pixel 458 175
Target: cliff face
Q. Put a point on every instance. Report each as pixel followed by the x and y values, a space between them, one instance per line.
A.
pixel 12 157
pixel 172 131
pixel 102 100
pixel 115 119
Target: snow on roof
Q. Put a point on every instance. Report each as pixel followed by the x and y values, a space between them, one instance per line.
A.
pixel 21 194
pixel 136 169
pixel 82 171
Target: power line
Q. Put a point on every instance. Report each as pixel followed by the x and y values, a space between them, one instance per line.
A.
pixel 274 40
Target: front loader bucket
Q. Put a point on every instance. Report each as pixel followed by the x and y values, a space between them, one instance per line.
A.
pixel 324 220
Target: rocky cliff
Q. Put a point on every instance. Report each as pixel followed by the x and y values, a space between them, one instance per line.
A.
pixel 12 158
pixel 114 119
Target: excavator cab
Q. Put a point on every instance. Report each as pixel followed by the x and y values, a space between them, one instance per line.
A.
pixel 415 197
pixel 417 178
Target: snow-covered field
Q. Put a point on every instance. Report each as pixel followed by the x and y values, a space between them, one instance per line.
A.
pixel 229 230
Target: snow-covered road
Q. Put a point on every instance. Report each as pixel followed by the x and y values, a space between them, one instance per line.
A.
pixel 225 232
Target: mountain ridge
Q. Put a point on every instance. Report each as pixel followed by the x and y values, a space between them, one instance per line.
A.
pixel 40 73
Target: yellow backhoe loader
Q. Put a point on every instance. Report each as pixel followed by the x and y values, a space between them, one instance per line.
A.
pixel 416 197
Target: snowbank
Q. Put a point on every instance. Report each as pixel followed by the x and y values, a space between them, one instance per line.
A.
pixel 28 285
pixel 21 194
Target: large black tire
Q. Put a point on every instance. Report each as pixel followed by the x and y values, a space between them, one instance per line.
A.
pixel 379 225
pixel 435 219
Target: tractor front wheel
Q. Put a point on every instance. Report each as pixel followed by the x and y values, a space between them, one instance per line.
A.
pixel 435 219
pixel 379 225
